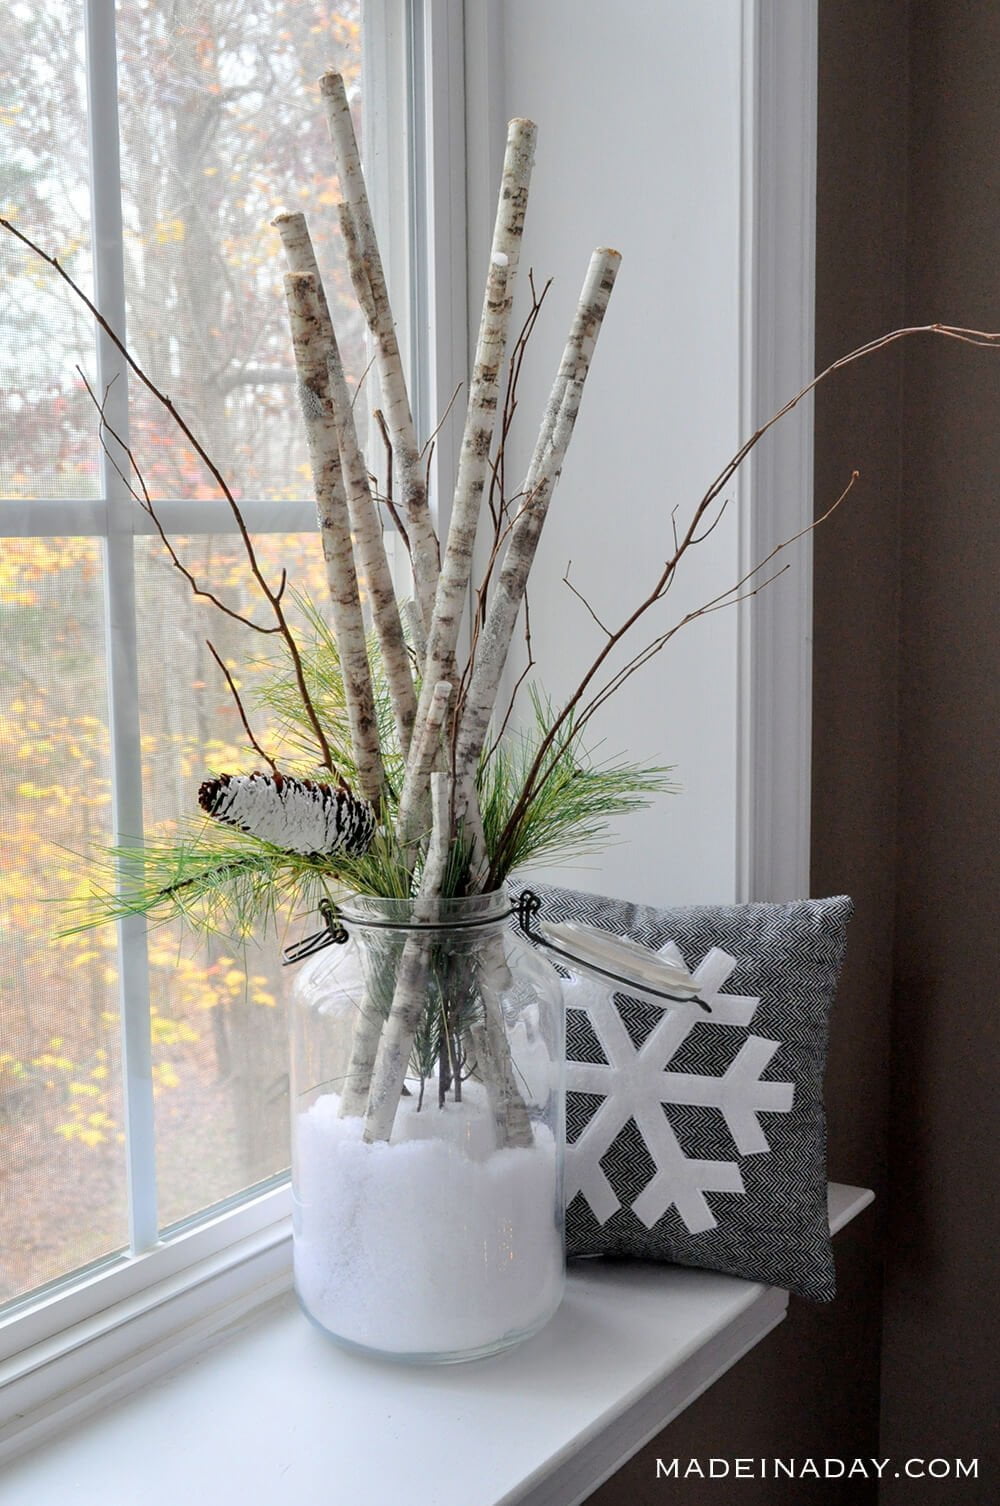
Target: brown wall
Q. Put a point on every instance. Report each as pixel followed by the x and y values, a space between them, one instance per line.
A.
pixel 940 1373
pixel 905 782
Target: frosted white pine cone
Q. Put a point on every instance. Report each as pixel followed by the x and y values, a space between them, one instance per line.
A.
pixel 297 815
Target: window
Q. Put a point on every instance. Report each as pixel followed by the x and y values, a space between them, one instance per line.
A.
pixel 142 1080
pixel 204 118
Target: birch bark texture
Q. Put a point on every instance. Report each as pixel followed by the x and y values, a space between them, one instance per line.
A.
pixel 369 547
pixel 436 811
pixel 311 348
pixel 364 1048
pixel 410 998
pixel 481 412
pixel 555 433
pixel 510 1112
pixel 424 754
pixel 368 276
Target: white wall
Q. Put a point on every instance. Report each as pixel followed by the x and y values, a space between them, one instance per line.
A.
pixel 639 115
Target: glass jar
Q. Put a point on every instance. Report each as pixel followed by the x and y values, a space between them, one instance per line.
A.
pixel 427 1130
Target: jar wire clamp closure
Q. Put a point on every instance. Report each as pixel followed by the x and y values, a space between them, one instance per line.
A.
pixel 634 968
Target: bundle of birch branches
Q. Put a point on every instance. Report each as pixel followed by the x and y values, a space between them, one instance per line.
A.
pixel 443 714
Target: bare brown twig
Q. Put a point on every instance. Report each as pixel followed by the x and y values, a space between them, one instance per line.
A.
pixel 689 539
pixel 581 598
pixel 727 598
pixel 526 671
pixel 362 379
pixel 429 441
pixel 239 706
pixel 701 537
pixel 142 497
pixel 730 597
pixel 500 504
pixel 497 481
pixel 386 497
pixel 272 597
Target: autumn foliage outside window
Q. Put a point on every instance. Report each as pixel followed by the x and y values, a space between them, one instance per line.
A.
pixel 219 123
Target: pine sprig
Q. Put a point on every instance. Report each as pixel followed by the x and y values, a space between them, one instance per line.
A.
pixel 219 879
pixel 214 879
pixel 275 692
pixel 574 802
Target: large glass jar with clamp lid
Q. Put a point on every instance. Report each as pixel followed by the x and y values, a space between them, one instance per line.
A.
pixel 428 1102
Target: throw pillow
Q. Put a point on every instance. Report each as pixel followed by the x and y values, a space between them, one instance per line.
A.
pixel 699 1137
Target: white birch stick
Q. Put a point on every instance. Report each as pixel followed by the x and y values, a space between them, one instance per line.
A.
pixel 311 352
pixel 473 468
pixel 369 548
pixel 395 1040
pixel 410 996
pixel 508 227
pixel 414 624
pixel 355 258
pixel 411 814
pixel 496 1068
pixel 486 1069
pixel 373 296
pixel 481 414
pixel 440 844
pixel 543 473
pixel 364 1049
pixel 509 1109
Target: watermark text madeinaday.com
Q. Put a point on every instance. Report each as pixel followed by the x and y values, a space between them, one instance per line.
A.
pixel 808 1468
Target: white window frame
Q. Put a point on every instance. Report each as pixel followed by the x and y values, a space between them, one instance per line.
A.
pixel 429 163
pixel 62 1348
pixel 778 236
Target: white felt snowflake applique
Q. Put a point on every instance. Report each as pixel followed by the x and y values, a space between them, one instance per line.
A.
pixel 635 1083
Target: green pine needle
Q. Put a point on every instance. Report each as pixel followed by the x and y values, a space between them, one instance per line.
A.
pixel 212 877
pixel 574 804
pixel 278 693
pixel 218 879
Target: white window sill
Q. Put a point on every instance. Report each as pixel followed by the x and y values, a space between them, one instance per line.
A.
pixel 277 1413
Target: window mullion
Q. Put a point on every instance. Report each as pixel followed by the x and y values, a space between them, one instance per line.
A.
pixel 120 609
pixel 63 518
pixel 438 221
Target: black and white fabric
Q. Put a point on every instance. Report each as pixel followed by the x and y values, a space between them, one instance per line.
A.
pixel 700 1138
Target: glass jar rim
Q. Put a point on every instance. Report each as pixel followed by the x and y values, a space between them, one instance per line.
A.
pixel 455 912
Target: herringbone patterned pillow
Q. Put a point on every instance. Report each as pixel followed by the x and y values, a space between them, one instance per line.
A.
pixel 696 1138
